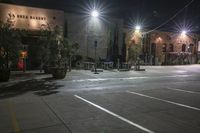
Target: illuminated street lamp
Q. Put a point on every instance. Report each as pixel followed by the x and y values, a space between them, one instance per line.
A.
pixel 137 28
pixel 184 32
pixel 95 14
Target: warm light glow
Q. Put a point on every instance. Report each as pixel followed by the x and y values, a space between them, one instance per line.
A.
pixel 159 40
pixel 138 29
pixel 95 13
pixel 184 32
pixel 24 54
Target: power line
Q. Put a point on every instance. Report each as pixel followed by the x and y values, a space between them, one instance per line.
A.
pixel 170 19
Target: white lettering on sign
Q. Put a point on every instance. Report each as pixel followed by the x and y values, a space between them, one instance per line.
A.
pixel 23 16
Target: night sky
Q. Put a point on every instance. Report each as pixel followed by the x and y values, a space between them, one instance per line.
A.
pixel 150 13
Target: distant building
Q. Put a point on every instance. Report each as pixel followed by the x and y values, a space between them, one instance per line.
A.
pixel 166 48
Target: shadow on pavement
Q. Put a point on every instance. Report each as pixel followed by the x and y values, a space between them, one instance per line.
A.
pixel 38 87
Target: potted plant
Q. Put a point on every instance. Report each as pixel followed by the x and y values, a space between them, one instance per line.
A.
pixel 9 49
pixel 56 51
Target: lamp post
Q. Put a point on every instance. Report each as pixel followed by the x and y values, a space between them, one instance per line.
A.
pixel 95 51
pixel 138 35
pixel 95 14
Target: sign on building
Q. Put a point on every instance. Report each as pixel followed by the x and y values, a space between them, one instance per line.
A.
pixel 29 18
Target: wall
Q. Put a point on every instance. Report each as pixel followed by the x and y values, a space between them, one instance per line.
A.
pixel 159 38
pixel 30 18
pixel 85 30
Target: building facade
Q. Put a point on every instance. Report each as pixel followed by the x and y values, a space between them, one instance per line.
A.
pixel 32 21
pixel 113 42
pixel 85 30
pixel 166 48
pixel 29 18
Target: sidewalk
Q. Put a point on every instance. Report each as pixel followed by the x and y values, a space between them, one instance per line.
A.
pixel 19 76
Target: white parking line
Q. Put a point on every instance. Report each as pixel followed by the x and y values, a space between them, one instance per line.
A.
pixel 115 115
pixel 192 92
pixel 166 101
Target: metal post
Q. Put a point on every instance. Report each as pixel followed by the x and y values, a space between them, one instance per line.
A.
pixel 70 63
pixel 95 65
pixel 118 64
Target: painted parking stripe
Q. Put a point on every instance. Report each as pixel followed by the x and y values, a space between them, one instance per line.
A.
pixel 15 123
pixel 166 101
pixel 115 115
pixel 192 92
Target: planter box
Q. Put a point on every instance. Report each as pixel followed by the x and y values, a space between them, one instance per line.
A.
pixel 4 75
pixel 58 73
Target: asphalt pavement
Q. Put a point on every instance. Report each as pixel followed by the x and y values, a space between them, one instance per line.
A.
pixel 162 99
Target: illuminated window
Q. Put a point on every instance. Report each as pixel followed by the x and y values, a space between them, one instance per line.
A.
pixel 191 48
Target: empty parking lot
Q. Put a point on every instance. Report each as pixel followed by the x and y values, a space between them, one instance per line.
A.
pixel 159 100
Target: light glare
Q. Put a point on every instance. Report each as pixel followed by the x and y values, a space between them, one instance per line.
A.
pixel 138 28
pixel 95 13
pixel 184 32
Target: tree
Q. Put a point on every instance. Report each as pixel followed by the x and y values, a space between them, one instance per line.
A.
pixel 133 41
pixel 69 51
pixel 56 50
pixel 9 45
pixel 9 49
pixel 134 52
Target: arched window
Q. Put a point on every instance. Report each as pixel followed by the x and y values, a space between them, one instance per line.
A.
pixel 191 48
pixel 164 47
pixel 184 48
pixel 171 48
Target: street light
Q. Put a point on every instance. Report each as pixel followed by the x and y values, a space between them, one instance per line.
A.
pixel 95 14
pixel 95 51
pixel 184 32
pixel 137 28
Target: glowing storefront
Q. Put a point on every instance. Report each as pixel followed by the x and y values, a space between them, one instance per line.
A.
pixel 32 20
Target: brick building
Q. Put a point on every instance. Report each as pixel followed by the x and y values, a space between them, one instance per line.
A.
pixel 166 48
